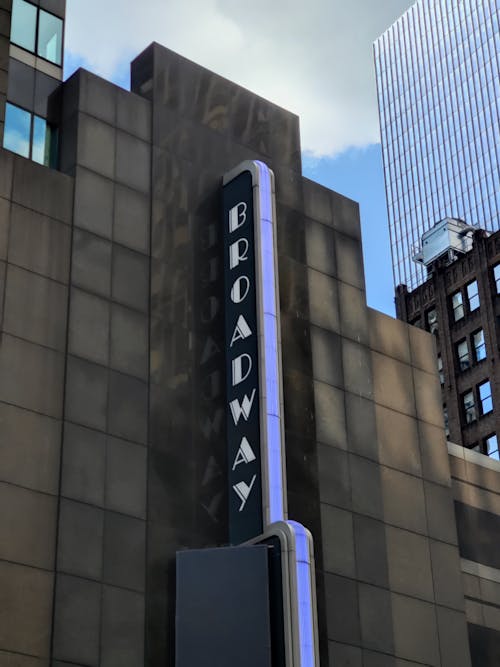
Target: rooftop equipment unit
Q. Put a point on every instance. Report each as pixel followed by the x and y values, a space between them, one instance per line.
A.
pixel 448 238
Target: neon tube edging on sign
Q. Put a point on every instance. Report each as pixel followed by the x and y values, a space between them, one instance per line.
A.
pixel 266 235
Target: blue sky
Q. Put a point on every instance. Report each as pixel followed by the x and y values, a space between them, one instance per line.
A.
pixel 357 173
pixel 314 59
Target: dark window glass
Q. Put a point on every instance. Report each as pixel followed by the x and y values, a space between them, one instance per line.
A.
pixel 17 130
pixel 463 355
pixel 469 407
pixel 50 29
pixel 23 26
pixel 473 295
pixel 417 322
pixel 479 345
pixel 485 397
pixel 496 275
pixel 491 443
pixel 457 306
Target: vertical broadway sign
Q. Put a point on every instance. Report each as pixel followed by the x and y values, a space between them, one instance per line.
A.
pixel 255 428
pixel 253 353
pixel 242 361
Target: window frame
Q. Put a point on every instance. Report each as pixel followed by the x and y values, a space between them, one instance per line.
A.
pixel 495 279
pixel 440 370
pixel 446 420
pixel 431 325
pixel 470 298
pixel 13 19
pixel 6 134
pixel 463 359
pixel 53 152
pixel 482 400
pixel 469 409
pixel 458 306
pixel 39 10
pixel 493 452
pixel 477 359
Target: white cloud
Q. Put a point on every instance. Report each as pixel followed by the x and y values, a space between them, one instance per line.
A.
pixel 314 58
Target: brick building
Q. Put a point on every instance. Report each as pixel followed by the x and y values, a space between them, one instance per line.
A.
pixel 459 304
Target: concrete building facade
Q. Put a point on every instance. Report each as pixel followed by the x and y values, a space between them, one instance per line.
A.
pixel 112 397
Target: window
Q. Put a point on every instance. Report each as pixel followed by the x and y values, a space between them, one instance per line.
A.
pixel 44 143
pixel 23 27
pixel 417 322
pixel 496 275
pixel 457 306
pixel 446 421
pixel 491 446
pixel 17 130
pixel 485 397
pixel 37 31
pixel 431 317
pixel 440 368
pixel 469 407
pixel 473 296
pixel 30 136
pixel 479 345
pixel 463 355
pixel 49 37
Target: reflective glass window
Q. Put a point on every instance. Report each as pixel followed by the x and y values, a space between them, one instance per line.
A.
pixel 485 397
pixel 431 317
pixel 50 29
pixel 463 355
pixel 469 406
pixel 39 140
pixel 473 295
pixel 491 446
pixel 23 25
pixel 17 130
pixel 457 306
pixel 44 145
pixel 496 275
pixel 446 421
pixel 440 369
pixel 30 136
pixel 479 345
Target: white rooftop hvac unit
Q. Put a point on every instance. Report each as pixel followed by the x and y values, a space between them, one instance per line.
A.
pixel 448 237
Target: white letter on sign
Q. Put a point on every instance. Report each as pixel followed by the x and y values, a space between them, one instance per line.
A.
pixel 243 491
pixel 238 252
pixel 237 216
pixel 240 289
pixel 238 373
pixel 244 409
pixel 241 330
pixel 245 454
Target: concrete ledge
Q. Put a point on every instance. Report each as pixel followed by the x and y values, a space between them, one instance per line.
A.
pixel 473 457
pixel 479 570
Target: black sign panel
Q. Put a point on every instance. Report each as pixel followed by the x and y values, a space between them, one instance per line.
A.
pixel 242 362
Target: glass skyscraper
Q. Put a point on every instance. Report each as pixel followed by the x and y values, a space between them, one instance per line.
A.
pixel 438 84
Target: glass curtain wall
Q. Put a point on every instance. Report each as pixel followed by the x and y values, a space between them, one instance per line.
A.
pixel 438 84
